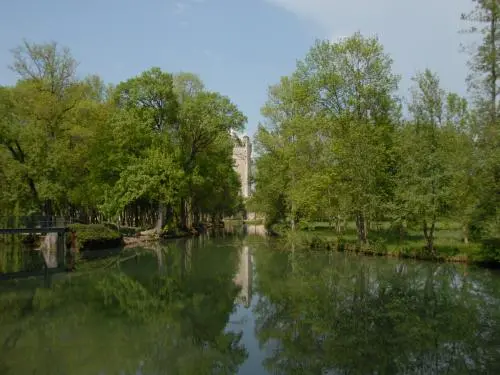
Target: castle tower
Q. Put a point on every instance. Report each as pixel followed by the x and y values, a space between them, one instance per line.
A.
pixel 242 155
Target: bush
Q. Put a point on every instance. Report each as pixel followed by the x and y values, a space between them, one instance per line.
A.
pixel 319 244
pixel 380 247
pixel 95 237
pixel 341 244
pixel 489 251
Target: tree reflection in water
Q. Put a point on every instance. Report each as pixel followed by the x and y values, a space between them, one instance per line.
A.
pixel 342 314
pixel 171 311
pixel 165 313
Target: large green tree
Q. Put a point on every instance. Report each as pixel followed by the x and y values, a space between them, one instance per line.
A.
pixel 329 126
pixel 483 81
pixel 435 153
pixel 45 119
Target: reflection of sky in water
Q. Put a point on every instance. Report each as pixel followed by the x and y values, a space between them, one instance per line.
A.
pixel 242 319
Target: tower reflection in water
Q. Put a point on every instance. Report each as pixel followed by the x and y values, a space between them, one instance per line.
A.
pixel 244 277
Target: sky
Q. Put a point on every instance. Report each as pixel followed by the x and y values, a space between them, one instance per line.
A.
pixel 238 47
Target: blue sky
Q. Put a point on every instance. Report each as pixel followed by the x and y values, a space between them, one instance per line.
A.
pixel 238 47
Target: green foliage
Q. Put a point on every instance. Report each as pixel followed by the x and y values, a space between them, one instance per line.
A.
pixel 95 236
pixel 484 62
pixel 325 150
pixel 157 147
pixel 335 147
pixel 483 82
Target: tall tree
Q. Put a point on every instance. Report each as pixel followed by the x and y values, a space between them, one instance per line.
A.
pixel 485 60
pixel 40 119
pixel 483 80
pixel 332 122
pixel 434 153
pixel 48 64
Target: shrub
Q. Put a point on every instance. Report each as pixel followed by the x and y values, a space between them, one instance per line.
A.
pixel 489 251
pixel 380 247
pixel 95 236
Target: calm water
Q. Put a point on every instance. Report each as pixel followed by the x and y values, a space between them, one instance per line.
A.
pixel 236 305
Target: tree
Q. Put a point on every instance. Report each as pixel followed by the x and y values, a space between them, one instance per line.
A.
pixel 485 60
pixel 206 121
pixel 331 122
pixel 151 97
pixel 434 153
pixel 483 83
pixel 42 118
pixel 187 85
pixel 48 64
pixel 174 115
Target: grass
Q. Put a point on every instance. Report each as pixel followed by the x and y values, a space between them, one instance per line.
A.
pixel 382 240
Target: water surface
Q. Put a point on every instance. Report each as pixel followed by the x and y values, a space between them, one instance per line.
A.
pixel 237 305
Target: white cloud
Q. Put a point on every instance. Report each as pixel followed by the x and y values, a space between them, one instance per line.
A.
pixel 182 6
pixel 375 15
pixel 417 33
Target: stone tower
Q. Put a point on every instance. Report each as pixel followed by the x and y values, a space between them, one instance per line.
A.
pixel 242 155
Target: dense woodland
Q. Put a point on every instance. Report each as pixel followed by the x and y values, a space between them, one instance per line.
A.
pixel 157 146
pixel 339 145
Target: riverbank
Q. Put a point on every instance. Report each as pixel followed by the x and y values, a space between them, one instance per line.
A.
pixel 150 236
pixel 410 244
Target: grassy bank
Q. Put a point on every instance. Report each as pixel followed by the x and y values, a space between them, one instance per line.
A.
pixel 95 236
pixel 384 241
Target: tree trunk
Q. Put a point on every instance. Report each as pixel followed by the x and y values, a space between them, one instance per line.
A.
pixel 183 218
pixel 189 214
pixel 137 215
pixel 160 222
pixel 361 228
pixel 186 217
pixel 196 217
pixel 429 235
pixel 338 225
pixel 465 231
pixel 48 212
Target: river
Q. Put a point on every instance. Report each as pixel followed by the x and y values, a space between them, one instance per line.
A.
pixel 246 304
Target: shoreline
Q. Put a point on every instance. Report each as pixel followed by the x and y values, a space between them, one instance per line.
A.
pixel 419 254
